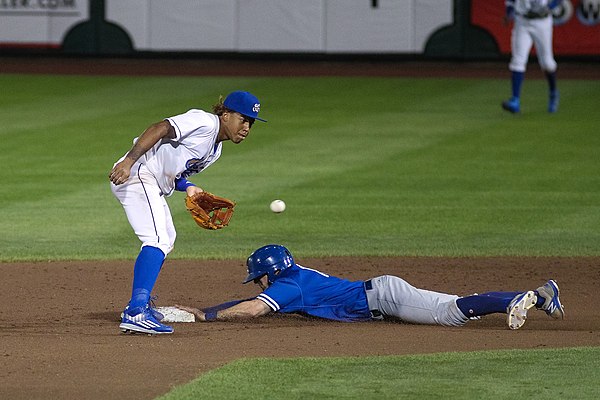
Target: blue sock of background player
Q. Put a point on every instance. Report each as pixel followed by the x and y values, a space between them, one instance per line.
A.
pixel 488 303
pixel 517 82
pixel 551 78
pixel 514 103
pixel 553 99
pixel 145 273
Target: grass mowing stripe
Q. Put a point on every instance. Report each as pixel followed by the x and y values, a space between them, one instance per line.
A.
pixel 384 166
pixel 549 373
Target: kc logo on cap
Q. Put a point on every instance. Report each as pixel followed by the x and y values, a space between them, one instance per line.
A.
pixel 243 102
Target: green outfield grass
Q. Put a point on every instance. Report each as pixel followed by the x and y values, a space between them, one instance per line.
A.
pixel 510 374
pixel 367 166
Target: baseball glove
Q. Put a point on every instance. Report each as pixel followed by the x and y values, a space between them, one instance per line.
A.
pixel 209 211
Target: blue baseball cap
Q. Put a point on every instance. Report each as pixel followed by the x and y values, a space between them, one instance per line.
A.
pixel 243 102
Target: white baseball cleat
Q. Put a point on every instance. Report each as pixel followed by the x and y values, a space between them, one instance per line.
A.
pixel 518 307
pixel 552 305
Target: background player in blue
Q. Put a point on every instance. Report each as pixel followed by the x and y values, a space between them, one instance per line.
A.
pixel 533 25
pixel 160 161
pixel 291 288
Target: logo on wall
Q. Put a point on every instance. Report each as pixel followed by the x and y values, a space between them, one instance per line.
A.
pixel 588 12
pixel 563 13
pixel 61 8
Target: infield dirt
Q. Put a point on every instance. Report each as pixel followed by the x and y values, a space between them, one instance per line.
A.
pixel 59 335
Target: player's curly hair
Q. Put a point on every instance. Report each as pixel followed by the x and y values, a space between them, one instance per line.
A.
pixel 219 108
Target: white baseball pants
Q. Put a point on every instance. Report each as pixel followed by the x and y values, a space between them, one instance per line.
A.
pixel 146 209
pixel 525 34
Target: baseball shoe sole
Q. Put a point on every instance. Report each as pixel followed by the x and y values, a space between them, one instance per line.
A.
pixel 133 329
pixel 518 307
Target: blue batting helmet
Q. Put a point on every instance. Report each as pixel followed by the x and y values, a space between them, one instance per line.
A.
pixel 268 260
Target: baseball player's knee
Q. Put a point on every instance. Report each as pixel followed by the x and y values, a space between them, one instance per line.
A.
pixel 164 247
pixel 517 65
pixel 548 65
pixel 450 315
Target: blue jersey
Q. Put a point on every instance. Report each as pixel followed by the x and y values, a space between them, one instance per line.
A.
pixel 304 290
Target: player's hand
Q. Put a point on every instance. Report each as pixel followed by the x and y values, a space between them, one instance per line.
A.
pixel 192 190
pixel 200 316
pixel 120 172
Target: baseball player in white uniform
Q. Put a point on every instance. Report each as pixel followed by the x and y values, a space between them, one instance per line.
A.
pixel 160 161
pixel 532 26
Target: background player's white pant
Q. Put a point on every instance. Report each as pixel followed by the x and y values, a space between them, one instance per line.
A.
pixel 528 32
pixel 146 209
pixel 395 297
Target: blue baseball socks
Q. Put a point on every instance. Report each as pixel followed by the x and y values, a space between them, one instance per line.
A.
pixel 517 82
pixel 513 104
pixel 553 92
pixel 488 303
pixel 145 273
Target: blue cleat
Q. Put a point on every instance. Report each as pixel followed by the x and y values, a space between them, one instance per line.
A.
pixel 518 307
pixel 141 320
pixel 155 313
pixel 553 102
pixel 552 305
pixel 512 105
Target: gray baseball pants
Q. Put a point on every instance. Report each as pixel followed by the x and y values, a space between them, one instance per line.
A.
pixel 389 295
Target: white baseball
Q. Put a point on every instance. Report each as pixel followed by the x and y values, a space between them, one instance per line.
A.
pixel 277 206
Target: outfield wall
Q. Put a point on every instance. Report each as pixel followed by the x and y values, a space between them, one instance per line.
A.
pixel 449 28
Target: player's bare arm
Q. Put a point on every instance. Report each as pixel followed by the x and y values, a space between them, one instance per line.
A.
pixel 244 310
pixel 155 132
